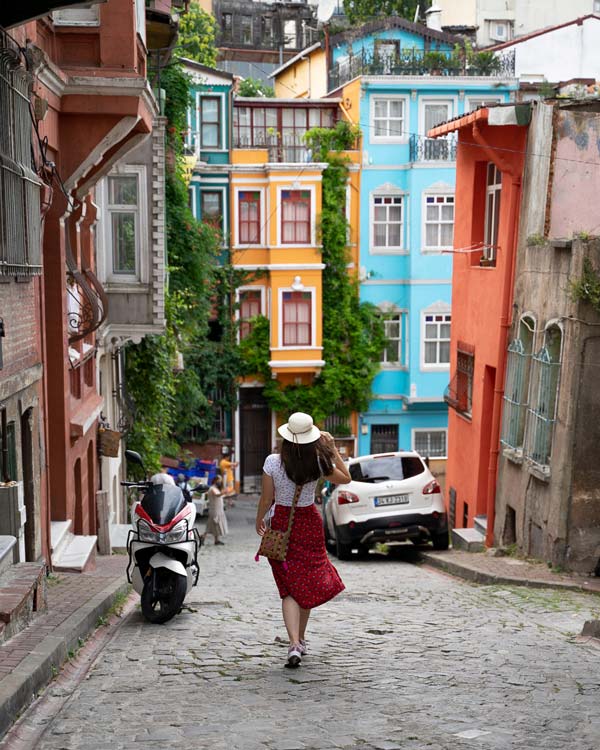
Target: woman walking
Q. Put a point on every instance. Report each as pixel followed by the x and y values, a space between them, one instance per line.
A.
pixel 306 579
pixel 217 520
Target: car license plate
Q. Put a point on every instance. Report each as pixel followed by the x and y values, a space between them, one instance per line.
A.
pixel 391 500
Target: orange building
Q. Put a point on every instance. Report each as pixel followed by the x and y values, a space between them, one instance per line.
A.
pixel 489 169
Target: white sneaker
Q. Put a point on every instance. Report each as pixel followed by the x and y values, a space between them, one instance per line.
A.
pixel 303 647
pixel 294 657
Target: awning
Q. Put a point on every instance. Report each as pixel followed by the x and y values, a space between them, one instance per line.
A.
pixel 17 13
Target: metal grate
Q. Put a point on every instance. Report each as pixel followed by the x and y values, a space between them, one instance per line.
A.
pixel 515 395
pixel 20 220
pixel 541 415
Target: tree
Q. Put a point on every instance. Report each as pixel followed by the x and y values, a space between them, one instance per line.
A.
pixel 363 10
pixel 197 32
pixel 254 87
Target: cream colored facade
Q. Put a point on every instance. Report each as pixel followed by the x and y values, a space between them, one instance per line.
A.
pixel 302 77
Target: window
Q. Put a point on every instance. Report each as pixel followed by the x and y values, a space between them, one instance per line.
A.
pixel 210 122
pixel 387 118
pixel 386 54
pixel 297 318
pixel 290 34
pixel 295 217
pixel 384 439
pixel 8 452
pixel 459 394
pixel 500 30
pixel 249 217
pixel 596 6
pixel 250 307
pixel 541 413
pixel 211 208
pixel 387 222
pixel 267 31
pixel 227 27
pixel 430 443
pixel 473 104
pixel 434 113
pixel 516 386
pixel 123 212
pixel 493 194
pixel 246 29
pixel 436 340
pixel 439 221
pixel 394 354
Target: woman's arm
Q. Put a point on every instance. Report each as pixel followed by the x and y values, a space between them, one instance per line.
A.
pixel 340 473
pixel 266 498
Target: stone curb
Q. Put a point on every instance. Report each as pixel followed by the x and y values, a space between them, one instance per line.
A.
pixel 37 669
pixel 473 574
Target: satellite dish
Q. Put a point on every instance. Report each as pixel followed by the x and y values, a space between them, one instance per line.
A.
pixel 325 10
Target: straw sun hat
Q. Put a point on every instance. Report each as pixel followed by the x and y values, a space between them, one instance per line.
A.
pixel 299 429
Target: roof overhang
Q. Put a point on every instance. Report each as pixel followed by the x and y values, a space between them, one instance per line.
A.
pixel 502 114
pixel 17 13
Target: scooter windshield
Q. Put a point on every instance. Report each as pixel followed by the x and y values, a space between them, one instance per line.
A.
pixel 162 502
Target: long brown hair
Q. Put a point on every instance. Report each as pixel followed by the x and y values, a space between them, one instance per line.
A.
pixel 307 462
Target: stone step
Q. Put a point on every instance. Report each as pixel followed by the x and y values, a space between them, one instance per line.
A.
pixel 8 547
pixel 480 524
pixel 469 540
pixel 60 536
pixel 78 556
pixel 22 594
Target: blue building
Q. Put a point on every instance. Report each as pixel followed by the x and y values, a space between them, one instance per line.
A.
pixel 398 80
pixel 208 145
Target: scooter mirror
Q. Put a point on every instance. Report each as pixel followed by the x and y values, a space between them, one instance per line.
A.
pixel 134 457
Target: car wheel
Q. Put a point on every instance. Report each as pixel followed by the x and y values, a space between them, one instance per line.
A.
pixel 440 541
pixel 342 551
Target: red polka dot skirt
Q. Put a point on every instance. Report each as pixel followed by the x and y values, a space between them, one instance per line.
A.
pixel 307 575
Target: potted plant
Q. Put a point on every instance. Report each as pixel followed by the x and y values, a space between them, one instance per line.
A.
pixel 485 63
pixel 435 61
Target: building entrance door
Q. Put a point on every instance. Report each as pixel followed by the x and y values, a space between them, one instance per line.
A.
pixel 255 437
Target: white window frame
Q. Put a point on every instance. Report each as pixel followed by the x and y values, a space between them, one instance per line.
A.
pixel 142 247
pixel 390 309
pixel 313 319
pixel 495 190
pixel 197 141
pixel 263 219
pixel 313 212
pixel 263 301
pixel 474 102
pixel 403 138
pixel 414 432
pixel 388 191
pixel 435 249
pixel 439 308
pixel 207 187
pixel 493 29
pixel 452 101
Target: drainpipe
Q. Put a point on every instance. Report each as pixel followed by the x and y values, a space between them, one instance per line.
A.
pixel 504 323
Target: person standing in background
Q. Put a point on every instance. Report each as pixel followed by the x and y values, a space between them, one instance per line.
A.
pixel 226 466
pixel 217 520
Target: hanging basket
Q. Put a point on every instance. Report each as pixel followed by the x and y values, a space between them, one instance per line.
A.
pixel 108 442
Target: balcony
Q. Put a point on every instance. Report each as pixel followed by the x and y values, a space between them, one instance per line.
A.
pixel 432 149
pixel 420 62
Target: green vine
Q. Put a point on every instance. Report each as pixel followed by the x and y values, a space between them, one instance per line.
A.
pixel 587 288
pixel 353 331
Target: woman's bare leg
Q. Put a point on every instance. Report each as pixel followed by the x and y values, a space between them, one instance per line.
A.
pixel 291 617
pixel 304 615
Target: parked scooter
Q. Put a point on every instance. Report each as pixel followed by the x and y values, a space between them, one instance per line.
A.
pixel 163 546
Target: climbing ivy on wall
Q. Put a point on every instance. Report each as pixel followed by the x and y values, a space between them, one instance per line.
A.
pixel 353 331
pixel 170 402
pixel 587 288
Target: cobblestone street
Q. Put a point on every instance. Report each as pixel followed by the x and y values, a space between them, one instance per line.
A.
pixel 406 657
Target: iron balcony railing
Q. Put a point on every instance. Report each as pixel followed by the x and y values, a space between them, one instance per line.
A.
pixel 20 217
pixel 285 149
pixel 419 62
pixel 432 149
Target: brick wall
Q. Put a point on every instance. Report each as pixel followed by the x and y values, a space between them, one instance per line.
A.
pixel 19 308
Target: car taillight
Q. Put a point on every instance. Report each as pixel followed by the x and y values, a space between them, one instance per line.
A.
pixel 344 498
pixel 433 488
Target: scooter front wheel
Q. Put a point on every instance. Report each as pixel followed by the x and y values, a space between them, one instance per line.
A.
pixel 163 595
